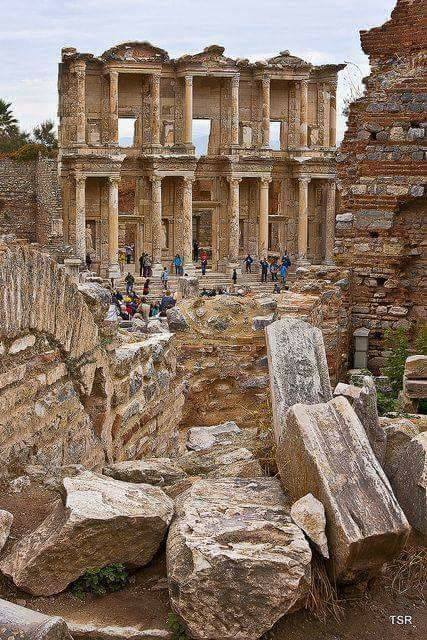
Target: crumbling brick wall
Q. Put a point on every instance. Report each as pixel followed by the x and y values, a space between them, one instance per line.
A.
pixel 49 202
pixel 18 198
pixel 380 229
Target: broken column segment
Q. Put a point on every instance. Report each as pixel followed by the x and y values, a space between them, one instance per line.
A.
pixel 324 450
pixel 297 365
pixel 24 624
pixel 410 482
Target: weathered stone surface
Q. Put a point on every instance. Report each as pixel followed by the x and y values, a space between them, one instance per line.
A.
pixel 416 367
pixel 236 563
pixel 324 450
pixel 260 322
pixel 364 402
pixel 410 482
pixel 98 299
pixel 20 623
pixel 200 438
pixel 309 514
pixel 297 366
pixel 6 520
pixel 104 521
pixel 156 471
pixel 95 632
pixel 416 389
pixel 399 433
pixel 221 461
pixel 188 287
pixel 176 320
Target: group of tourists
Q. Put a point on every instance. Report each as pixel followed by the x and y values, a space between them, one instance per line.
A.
pixel 275 268
pixel 130 305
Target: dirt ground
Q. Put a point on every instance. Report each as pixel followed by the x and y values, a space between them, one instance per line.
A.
pixel 144 602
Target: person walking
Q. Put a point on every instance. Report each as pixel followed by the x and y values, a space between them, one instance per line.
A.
pixel 122 261
pixel 283 272
pixel 141 264
pixel 148 270
pixel 146 289
pixel 130 281
pixel 196 251
pixel 234 277
pixel 128 252
pixel 274 268
pixel 204 264
pixel 143 310
pixel 264 270
pixel 177 263
pixel 165 277
pixel 248 262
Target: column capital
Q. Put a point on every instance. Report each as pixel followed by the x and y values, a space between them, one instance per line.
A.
pixel 235 80
pixel 155 178
pixel 304 179
pixel 114 180
pixel 233 180
pixel 188 79
pixel 304 82
pixel 265 180
pixel 155 78
pixel 80 179
pixel 79 66
pixel 265 79
pixel 188 179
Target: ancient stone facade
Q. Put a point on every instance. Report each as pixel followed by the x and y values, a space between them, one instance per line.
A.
pixel 380 230
pixel 79 391
pixel 156 194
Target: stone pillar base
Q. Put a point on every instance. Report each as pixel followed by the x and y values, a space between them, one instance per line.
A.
pixel 156 269
pixel 329 261
pixel 114 272
pixel 72 268
pixel 190 269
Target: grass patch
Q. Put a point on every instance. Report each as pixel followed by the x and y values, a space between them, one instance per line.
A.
pixel 101 581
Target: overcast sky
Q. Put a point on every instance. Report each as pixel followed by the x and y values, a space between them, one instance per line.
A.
pixel 32 33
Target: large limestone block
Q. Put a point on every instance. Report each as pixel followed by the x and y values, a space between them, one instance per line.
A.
pixel 364 402
pixel 236 562
pixel 324 450
pixel 6 520
pixel 309 514
pixel 103 521
pixel 200 438
pixel 20 623
pixel 410 482
pixel 221 461
pixel 416 367
pixel 157 471
pixel 399 433
pixel 297 366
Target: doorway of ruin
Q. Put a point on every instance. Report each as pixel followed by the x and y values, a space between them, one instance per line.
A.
pixel 126 127
pixel 202 229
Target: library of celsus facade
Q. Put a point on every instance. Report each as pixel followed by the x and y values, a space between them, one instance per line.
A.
pixel 247 193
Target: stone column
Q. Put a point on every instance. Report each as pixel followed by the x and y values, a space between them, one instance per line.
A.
pixel 114 107
pixel 156 223
pixel 326 115
pixel 263 217
pixel 155 110
pixel 187 217
pixel 330 223
pixel 80 71
pixel 235 110
pixel 113 228
pixel 188 111
pixel 80 222
pixel 303 114
pixel 233 222
pixel 266 112
pixel 333 115
pixel 303 220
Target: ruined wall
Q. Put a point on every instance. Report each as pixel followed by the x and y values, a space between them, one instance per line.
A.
pixel 30 200
pixel 380 229
pixel 73 389
pixel 18 198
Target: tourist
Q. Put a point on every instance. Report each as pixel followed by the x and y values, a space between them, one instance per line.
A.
pixel 264 270
pixel 154 309
pixel 130 281
pixel 177 263
pixel 248 262
pixel 234 277
pixel 283 271
pixel 141 264
pixel 122 261
pixel 88 261
pixel 146 288
pixel 128 253
pixel 147 271
pixel 167 302
pixel 196 251
pixel 143 310
pixel 165 277
pixel 204 263
pixel 274 270
pixel 204 292
pixel 276 288
pixel 286 259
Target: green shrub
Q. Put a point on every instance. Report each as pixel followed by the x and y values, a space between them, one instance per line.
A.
pixel 30 151
pixel 396 341
pixel 385 403
pixel 177 628
pixel 420 343
pixel 101 581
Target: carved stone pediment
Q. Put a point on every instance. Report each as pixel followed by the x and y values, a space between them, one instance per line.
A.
pixel 211 57
pixel 136 52
pixel 285 59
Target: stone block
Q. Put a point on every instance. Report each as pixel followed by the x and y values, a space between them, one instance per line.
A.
pixel 6 520
pixel 324 450
pixel 236 562
pixel 410 482
pixel 415 389
pixel 309 514
pixel 260 322
pixel 201 438
pixel 156 471
pixel 22 343
pixel 399 433
pixel 297 366
pixel 416 367
pixel 20 623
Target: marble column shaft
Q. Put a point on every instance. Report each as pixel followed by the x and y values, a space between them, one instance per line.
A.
pixel 156 219
pixel 113 224
pixel 155 109
pixel 188 110
pixel 265 111
pixel 303 219
pixel 80 221
pixel 114 107
pixel 263 217
pixel 304 114
pixel 187 216
pixel 80 71
pixel 235 110
pixel 330 222
pixel 233 220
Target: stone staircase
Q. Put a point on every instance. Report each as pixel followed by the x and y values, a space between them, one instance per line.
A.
pixel 212 279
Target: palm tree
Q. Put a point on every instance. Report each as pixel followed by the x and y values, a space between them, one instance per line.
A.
pixel 8 123
pixel 45 134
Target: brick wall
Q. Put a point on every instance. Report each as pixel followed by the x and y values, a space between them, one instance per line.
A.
pixel 380 229
pixel 18 198
pixel 49 202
